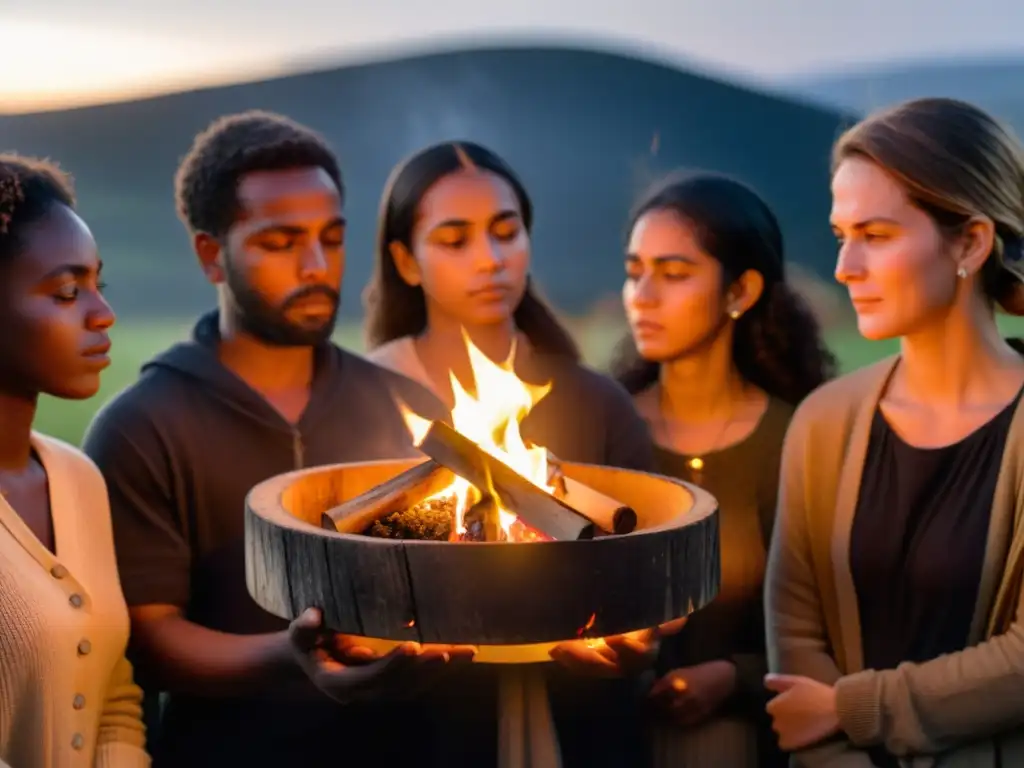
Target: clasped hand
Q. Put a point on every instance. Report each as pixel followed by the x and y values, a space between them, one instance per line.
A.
pixel 347 671
pixel 690 695
pixel 804 711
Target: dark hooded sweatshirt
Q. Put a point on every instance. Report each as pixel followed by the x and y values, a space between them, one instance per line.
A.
pixel 180 449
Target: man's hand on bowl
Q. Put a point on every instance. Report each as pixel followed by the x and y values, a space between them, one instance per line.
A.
pixel 347 671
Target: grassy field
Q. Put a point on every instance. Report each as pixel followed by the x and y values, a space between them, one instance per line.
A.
pixel 135 342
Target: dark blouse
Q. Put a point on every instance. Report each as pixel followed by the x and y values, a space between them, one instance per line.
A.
pixel 918 542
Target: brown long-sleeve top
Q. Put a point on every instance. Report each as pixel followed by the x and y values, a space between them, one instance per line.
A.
pixel 961 710
pixel 587 418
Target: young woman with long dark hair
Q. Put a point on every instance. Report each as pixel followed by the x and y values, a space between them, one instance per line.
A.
pixel 453 256
pixel 721 350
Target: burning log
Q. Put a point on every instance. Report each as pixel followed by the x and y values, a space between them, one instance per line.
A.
pixel 396 495
pixel 486 514
pixel 533 505
pixel 607 513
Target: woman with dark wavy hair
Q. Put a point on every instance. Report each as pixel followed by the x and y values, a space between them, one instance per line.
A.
pixel 454 255
pixel 721 351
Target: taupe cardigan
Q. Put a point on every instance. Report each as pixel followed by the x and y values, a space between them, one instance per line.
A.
pixel 961 710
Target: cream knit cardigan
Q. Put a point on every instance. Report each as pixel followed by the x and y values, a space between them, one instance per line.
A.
pixel 66 693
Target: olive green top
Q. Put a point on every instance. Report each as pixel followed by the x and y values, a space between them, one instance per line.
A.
pixel 744 479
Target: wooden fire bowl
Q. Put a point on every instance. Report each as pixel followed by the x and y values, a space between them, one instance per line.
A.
pixel 527 595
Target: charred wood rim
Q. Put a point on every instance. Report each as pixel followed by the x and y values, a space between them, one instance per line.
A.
pixel 488 594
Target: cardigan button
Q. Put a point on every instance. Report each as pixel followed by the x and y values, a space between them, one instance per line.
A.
pixel 58 571
pixel 75 600
pixel 77 741
pixel 84 648
pixel 79 701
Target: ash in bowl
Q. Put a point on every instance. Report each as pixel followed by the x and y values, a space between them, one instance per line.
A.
pixel 430 520
pixel 433 520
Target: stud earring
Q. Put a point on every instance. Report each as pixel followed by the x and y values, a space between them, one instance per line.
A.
pixel 961 272
pixel 735 314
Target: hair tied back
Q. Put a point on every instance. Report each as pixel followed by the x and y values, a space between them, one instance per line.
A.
pixel 1011 295
pixel 1013 252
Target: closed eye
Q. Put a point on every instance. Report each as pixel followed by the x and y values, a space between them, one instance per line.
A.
pixel 455 243
pixel 675 272
pixel 276 243
pixel 506 234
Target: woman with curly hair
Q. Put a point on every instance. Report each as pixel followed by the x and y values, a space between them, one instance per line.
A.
pixel 66 690
pixel 720 353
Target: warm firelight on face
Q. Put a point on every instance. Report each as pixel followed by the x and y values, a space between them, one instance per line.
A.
pixel 491 419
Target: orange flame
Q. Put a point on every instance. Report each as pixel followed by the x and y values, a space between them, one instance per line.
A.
pixel 491 419
pixel 588 626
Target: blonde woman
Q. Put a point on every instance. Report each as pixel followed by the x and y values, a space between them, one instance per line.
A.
pixel 894 580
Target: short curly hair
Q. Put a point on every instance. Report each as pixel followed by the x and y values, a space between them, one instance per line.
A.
pixel 29 188
pixel 206 185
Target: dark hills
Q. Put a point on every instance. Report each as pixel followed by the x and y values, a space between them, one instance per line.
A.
pixel 578 125
pixel 992 83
